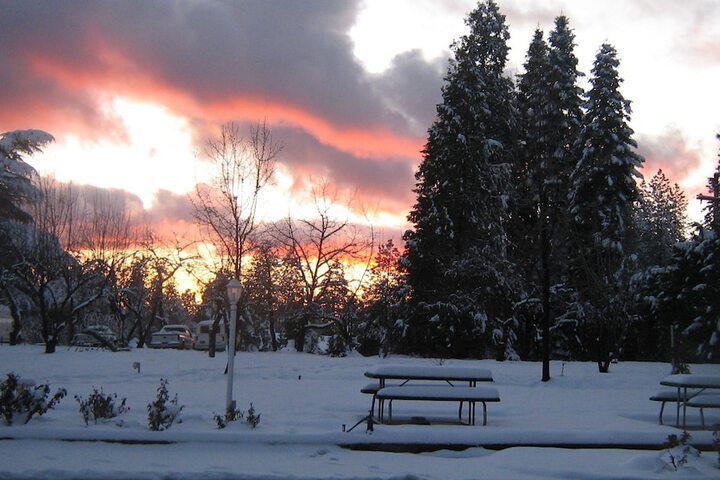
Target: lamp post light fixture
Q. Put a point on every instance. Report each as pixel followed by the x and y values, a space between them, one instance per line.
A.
pixel 233 294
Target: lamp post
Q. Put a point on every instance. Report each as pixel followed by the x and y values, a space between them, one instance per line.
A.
pixel 233 294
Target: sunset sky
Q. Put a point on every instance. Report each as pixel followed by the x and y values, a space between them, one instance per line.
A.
pixel 131 90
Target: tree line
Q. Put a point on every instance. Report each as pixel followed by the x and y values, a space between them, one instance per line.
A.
pixel 534 234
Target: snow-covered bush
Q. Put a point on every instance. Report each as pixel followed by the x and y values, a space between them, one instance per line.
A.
pixel 18 402
pixel 252 419
pixel 679 450
pixel 337 346
pixel 99 406
pixel 163 412
pixel 231 415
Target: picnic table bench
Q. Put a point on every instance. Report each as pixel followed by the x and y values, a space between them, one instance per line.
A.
pixel 666 396
pixel 441 393
pixel 703 401
pixel 403 390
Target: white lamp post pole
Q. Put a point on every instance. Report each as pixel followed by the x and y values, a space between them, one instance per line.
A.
pixel 233 293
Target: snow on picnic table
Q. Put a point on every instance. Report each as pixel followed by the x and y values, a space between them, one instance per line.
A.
pixel 304 402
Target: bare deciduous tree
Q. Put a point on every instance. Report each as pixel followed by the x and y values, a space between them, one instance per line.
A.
pixel 227 207
pixel 316 249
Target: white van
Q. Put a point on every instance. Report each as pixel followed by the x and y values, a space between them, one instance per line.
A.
pixel 202 335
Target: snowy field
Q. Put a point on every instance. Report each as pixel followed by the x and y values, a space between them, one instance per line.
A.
pixel 304 401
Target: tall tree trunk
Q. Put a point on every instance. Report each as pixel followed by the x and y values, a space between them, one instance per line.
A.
pixel 211 339
pixel 273 336
pixel 51 340
pixel 603 350
pixel 15 332
pixel 545 266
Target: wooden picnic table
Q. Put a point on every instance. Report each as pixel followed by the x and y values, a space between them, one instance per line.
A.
pixel 431 373
pixel 684 381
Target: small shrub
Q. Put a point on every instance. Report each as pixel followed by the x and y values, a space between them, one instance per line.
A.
pixel 681 367
pixel 17 402
pixel 231 415
pixel 337 346
pixel 252 419
pixel 679 450
pixel 369 344
pixel 99 406
pixel 163 412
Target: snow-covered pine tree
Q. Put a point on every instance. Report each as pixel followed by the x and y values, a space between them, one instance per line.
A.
pixel 385 303
pixel 712 210
pixel 15 174
pixel 662 220
pixel 529 225
pixel 565 110
pixel 16 189
pixel 689 296
pixel 601 201
pixel 549 101
pixel 533 136
pixel 660 225
pixel 463 185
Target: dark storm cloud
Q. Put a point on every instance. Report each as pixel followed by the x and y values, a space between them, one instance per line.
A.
pixel 108 199
pixel 412 86
pixel 294 53
pixel 214 62
pixel 389 180
pixel 172 207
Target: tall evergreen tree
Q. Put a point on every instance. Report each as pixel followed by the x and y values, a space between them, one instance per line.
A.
pixel 660 226
pixel 462 189
pixel 549 101
pixel 661 220
pixel 531 223
pixel 712 215
pixel 689 296
pixel 601 201
pixel 565 110
pixel 688 291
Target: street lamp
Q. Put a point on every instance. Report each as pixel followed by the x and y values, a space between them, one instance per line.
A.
pixel 233 294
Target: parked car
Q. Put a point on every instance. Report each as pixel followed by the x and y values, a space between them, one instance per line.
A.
pixel 95 336
pixel 102 331
pixel 173 336
pixel 202 341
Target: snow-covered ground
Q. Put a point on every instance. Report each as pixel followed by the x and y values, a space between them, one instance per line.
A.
pixel 304 401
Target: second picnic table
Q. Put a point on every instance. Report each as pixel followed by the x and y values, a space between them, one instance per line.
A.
pixel 408 373
pixel 701 382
